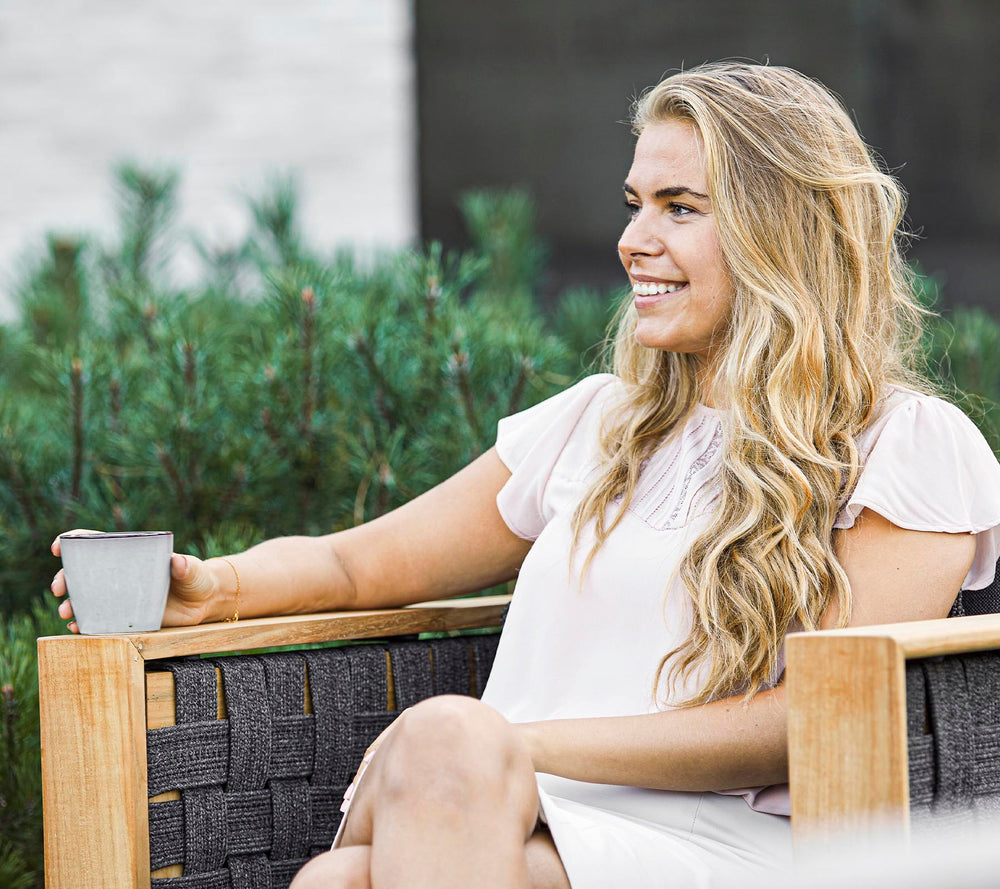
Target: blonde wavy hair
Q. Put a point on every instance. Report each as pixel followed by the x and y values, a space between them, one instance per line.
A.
pixel 824 319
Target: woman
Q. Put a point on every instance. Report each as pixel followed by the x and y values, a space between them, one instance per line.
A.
pixel 761 460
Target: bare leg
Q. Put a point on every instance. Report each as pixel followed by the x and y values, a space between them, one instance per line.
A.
pixel 350 868
pixel 545 867
pixel 449 800
pixel 343 869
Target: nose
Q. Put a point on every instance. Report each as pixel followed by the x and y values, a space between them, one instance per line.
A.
pixel 638 239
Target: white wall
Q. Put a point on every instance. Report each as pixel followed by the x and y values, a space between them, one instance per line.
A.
pixel 230 90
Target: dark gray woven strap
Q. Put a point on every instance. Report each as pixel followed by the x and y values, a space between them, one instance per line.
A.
pixel 261 789
pixel 250 872
pixel 250 735
pixel 920 741
pixel 195 752
pixel 191 755
pixel 983 676
pixel 452 666
pixel 218 880
pixel 205 829
pixel 951 716
pixel 250 821
pixel 166 831
pixel 953 722
pixel 984 601
pixel 330 677
pixel 484 649
pixel 412 676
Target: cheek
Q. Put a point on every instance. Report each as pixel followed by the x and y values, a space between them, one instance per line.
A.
pixel 715 270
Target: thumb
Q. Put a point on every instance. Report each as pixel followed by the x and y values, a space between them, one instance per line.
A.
pixel 179 569
pixel 190 574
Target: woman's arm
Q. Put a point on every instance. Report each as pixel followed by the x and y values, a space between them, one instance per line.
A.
pixel 895 575
pixel 448 541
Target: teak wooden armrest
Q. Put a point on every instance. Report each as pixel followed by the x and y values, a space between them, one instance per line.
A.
pixel 93 709
pixel 847 734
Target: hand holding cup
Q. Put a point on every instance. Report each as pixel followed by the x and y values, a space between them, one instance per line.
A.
pixel 98 566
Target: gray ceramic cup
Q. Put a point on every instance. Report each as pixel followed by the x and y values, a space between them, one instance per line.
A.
pixel 118 581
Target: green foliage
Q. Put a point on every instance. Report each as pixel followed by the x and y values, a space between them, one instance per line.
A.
pixel 20 763
pixel 503 230
pixel 963 352
pixel 284 392
pixel 580 315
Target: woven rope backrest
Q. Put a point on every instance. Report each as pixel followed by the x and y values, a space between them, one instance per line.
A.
pixel 260 790
pixel 953 725
pixel 984 601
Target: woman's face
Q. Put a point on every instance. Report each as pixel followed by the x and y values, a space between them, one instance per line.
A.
pixel 670 246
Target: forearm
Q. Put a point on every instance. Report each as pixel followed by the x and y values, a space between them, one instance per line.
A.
pixel 719 746
pixel 285 575
pixel 450 540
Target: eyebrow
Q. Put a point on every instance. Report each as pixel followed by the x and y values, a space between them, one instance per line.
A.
pixel 674 191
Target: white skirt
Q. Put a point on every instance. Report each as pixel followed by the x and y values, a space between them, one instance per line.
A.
pixel 610 836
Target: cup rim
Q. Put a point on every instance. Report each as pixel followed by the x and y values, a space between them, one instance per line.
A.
pixel 104 535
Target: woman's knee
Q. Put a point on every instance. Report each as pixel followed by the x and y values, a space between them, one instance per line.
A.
pixel 455 746
pixel 347 868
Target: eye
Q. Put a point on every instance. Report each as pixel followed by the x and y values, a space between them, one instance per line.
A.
pixel 680 210
pixel 631 209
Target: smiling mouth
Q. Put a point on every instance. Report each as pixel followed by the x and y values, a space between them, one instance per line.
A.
pixel 653 288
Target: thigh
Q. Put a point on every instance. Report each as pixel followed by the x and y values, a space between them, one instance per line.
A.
pixel 545 867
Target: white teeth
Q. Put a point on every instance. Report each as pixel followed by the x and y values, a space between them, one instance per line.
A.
pixel 642 288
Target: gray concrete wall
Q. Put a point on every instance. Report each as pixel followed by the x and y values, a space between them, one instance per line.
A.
pixel 229 90
pixel 531 93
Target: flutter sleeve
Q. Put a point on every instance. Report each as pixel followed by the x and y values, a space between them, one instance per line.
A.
pixel 927 467
pixel 560 431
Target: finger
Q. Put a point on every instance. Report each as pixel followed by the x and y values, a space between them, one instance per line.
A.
pixel 58 585
pixel 65 609
pixel 72 627
pixel 57 549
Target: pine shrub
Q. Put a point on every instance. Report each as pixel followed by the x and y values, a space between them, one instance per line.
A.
pixel 284 392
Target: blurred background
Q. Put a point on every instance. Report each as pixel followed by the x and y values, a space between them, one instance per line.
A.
pixel 388 109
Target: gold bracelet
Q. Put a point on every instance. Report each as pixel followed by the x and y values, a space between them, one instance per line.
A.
pixel 236 613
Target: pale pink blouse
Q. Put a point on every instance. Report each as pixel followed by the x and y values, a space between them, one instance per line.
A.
pixel 573 648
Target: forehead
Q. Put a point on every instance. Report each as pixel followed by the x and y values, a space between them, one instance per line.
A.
pixel 669 153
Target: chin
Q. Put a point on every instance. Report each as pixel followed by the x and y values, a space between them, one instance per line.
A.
pixel 652 339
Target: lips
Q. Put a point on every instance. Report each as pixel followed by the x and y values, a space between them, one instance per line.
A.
pixel 648 292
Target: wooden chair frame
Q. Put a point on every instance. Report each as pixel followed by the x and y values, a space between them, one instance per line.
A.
pixel 847 736
pixel 96 704
pixel 846 724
